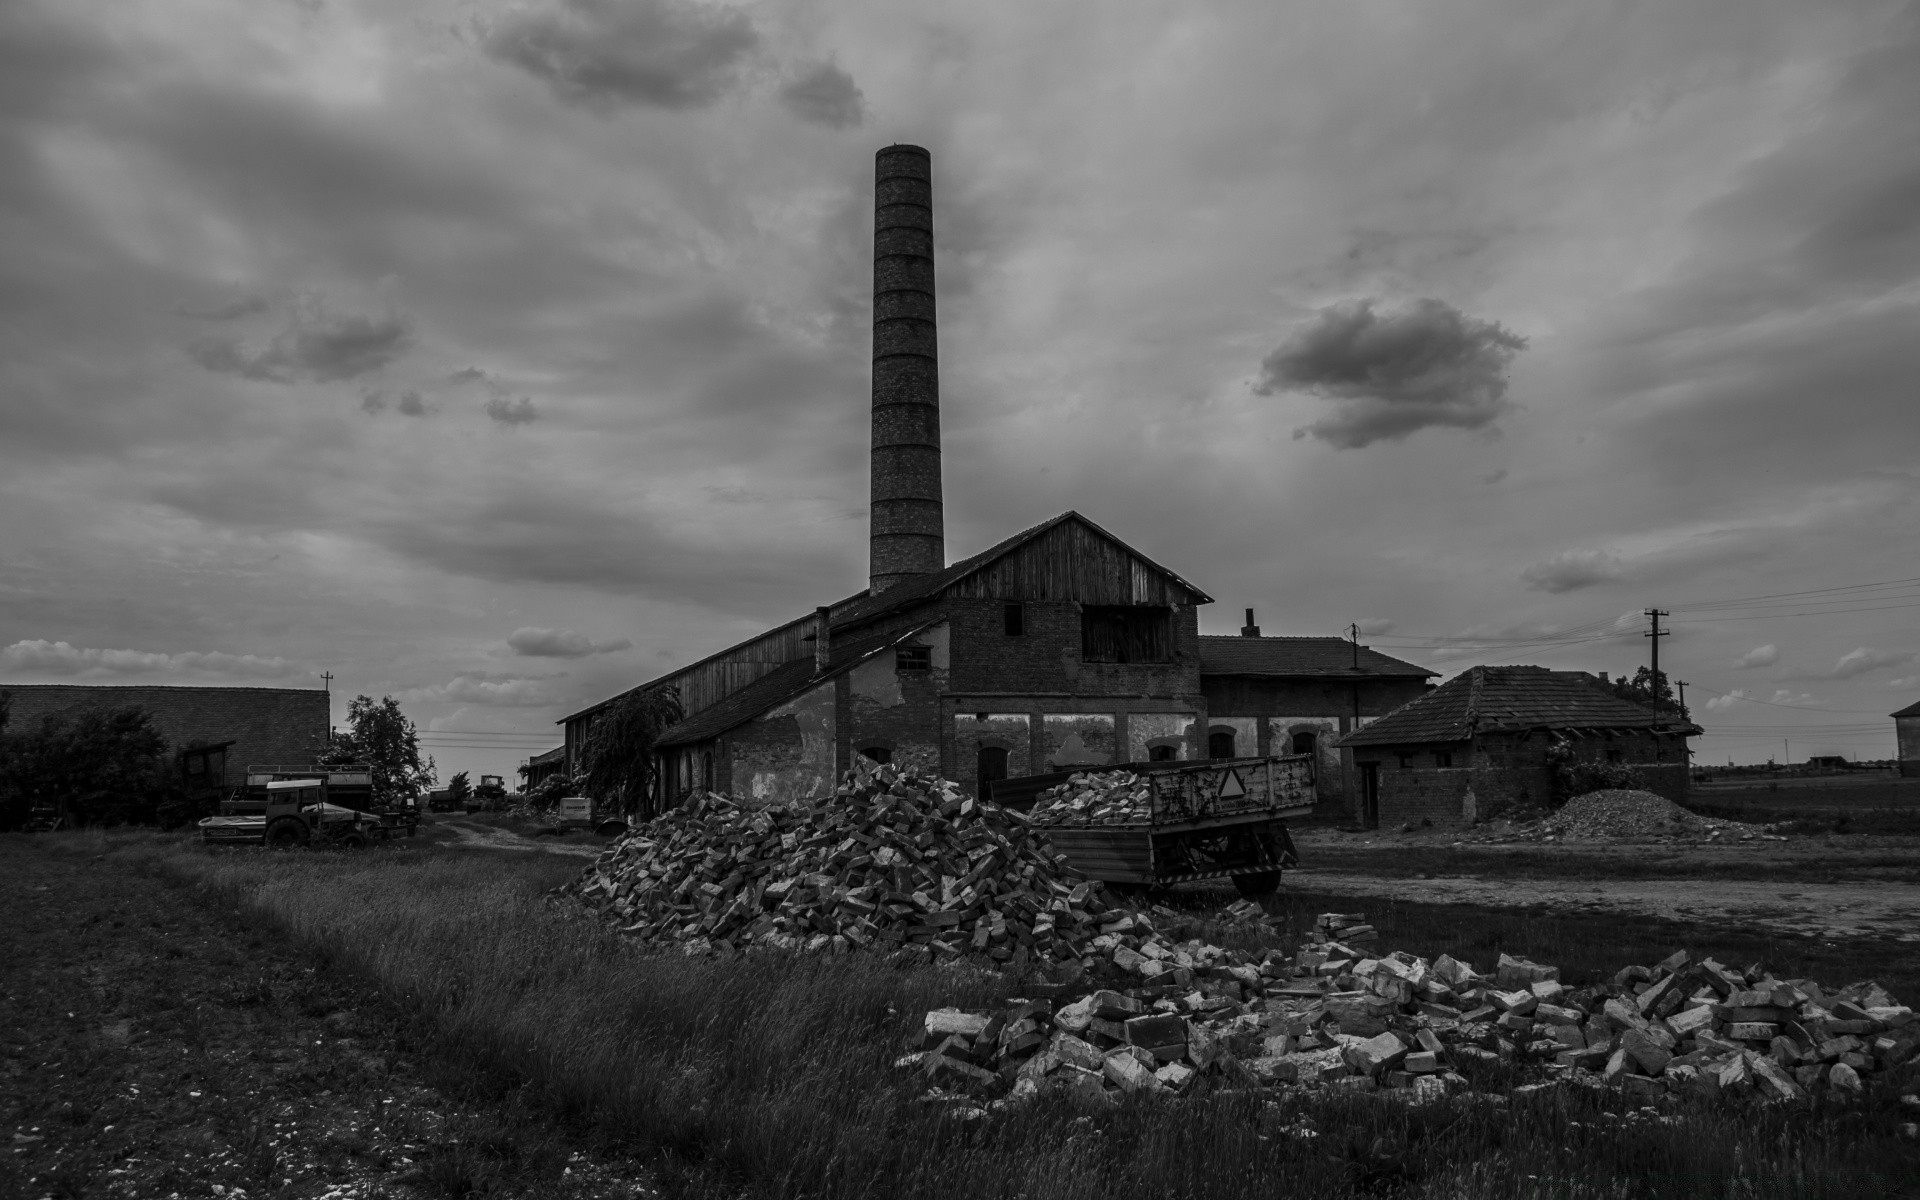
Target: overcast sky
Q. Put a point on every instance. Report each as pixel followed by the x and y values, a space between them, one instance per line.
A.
pixel 499 356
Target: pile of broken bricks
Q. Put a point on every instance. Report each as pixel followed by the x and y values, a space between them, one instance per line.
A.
pixel 1096 798
pixel 1333 1016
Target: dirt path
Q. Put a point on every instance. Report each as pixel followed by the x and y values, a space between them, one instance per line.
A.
pixel 1819 909
pixel 155 1044
pixel 475 835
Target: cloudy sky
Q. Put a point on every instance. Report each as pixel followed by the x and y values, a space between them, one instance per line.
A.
pixel 497 356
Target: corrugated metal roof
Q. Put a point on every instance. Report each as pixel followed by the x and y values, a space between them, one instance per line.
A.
pixel 1510 699
pixel 777 687
pixel 1297 656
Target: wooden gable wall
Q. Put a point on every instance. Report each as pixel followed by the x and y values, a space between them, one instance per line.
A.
pixel 1073 561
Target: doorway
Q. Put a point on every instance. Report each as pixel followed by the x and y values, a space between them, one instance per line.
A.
pixel 991 765
pixel 1370 795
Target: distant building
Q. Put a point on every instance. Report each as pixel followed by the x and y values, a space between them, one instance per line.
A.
pixel 1906 731
pixel 1488 737
pixel 542 767
pixel 218 730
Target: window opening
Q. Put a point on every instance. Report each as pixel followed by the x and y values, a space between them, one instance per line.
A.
pixel 1304 743
pixel 1015 618
pixel 1220 744
pixel 913 658
pixel 1126 634
pixel 1443 758
pixel 1160 754
pixel 879 754
pixel 706 770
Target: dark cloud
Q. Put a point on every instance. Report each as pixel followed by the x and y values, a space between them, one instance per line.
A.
pixel 467 375
pixel 560 643
pixel 411 405
pixel 1572 570
pixel 38 656
pixel 373 400
pixel 600 54
pixel 319 344
pixel 512 412
pixel 825 95
pixel 1394 370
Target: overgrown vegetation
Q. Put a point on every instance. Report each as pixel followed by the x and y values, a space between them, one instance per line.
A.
pixel 617 762
pixel 772 1075
pixel 105 767
pixel 379 734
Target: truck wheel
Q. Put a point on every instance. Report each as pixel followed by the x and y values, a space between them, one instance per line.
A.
pixel 286 833
pixel 353 839
pixel 1261 883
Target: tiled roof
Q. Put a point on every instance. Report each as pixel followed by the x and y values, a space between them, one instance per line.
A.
pixel 1296 656
pixel 1510 699
pixel 551 756
pixel 775 688
pixel 1911 710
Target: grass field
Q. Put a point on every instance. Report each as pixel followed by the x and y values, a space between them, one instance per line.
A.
pixel 1879 804
pixel 1562 861
pixel 772 1076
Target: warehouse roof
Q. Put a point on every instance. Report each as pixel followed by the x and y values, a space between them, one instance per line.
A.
pixel 1510 700
pixel 783 683
pixel 1297 656
pixel 1911 710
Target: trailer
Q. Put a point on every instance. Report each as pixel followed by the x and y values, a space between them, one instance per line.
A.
pixel 1163 823
pixel 289 804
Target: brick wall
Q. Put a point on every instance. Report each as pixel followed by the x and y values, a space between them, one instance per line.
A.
pixel 266 725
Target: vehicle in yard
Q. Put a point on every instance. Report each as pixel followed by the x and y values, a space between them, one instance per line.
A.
pixel 1148 826
pixel 581 812
pixel 290 805
pixel 443 800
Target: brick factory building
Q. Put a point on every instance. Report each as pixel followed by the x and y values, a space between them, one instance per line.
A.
pixel 1060 646
pixel 234 725
pixel 1488 737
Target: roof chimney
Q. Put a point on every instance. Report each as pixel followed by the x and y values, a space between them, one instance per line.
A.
pixel 822 646
pixel 908 532
pixel 1249 629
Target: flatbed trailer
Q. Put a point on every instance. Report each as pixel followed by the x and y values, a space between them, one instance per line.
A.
pixel 1219 819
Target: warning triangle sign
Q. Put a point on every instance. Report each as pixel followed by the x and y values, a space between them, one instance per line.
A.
pixel 1231 785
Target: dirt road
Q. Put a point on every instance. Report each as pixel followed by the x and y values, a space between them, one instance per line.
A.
pixel 1831 910
pixel 464 834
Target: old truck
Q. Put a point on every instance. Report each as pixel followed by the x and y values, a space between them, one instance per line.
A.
pixel 1148 826
pixel 291 805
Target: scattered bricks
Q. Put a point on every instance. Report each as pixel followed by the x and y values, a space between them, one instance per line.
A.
pixel 1519 972
pixel 1453 972
pixel 1566 1037
pixel 1689 1020
pixel 1151 1031
pixel 1671 964
pixel 1755 1014
pixel 1753 1031
pixel 1628 976
pixel 1554 1014
pixel 1422 1062
pixel 1773 1079
pixel 1273 1069
pixel 944 1021
pixel 1733 1074
pixel 1114 1006
pixel 1113 1031
pixel 1513 1022
pixel 939 1066
pixel 1374 1054
pixel 1079 1053
pixel 1127 959
pixel 1429 1041
pixel 1623 1015
pixel 1278 1044
pixel 1644 1051
pixel 1643 1087
pixel 1843 1078
pixel 1175 1076
pixel 1522 1002
pixel 1616 1066
pixel 1784 1051
pixel 1428 1088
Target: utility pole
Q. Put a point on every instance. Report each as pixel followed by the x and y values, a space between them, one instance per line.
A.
pixel 1683 696
pixel 1354 631
pixel 1654 614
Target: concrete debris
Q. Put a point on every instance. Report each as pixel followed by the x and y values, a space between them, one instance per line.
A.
pixel 892 861
pixel 1096 798
pixel 1625 813
pixel 1335 1016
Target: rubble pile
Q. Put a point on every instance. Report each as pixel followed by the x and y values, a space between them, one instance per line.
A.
pixel 890 861
pixel 1621 812
pixel 1335 1016
pixel 1096 798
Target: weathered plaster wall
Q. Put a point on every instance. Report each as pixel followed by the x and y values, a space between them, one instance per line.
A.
pixel 1146 729
pixel 1012 732
pixel 1078 739
pixel 900 710
pixel 788 752
pixel 1278 734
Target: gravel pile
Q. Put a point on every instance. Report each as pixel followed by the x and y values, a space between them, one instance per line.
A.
pixel 1624 812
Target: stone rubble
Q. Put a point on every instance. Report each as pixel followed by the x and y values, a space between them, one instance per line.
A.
pixel 1334 1015
pixel 1096 798
pixel 1624 813
pixel 890 861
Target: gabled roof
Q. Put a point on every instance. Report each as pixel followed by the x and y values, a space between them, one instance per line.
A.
pixel 906 595
pixel 1911 710
pixel 1510 700
pixel 864 607
pixel 1322 657
pixel 778 686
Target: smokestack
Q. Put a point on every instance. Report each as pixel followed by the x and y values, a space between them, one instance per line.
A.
pixel 908 532
pixel 821 646
pixel 1249 629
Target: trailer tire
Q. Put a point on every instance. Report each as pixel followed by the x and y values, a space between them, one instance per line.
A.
pixel 286 833
pixel 1260 883
pixel 353 839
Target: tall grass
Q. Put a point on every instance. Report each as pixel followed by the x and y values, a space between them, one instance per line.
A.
pixel 771 1076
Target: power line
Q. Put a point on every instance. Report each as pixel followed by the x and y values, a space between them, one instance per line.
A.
pixel 1845 587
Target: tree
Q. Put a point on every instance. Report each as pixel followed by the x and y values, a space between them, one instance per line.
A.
pixel 459 790
pixel 1651 690
pixel 617 759
pixel 382 736
pixel 107 766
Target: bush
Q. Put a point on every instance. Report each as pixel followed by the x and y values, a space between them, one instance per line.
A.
pixel 106 767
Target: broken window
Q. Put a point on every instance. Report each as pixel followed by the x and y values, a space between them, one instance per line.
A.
pixel 1126 634
pixel 1014 617
pixel 913 658
pixel 1220 744
pixel 879 754
pixel 1160 753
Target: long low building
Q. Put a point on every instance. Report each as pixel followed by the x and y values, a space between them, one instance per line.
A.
pixel 216 731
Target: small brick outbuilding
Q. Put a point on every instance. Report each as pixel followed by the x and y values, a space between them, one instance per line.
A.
pixel 1489 737
pixel 1906 731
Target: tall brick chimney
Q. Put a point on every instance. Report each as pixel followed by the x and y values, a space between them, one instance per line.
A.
pixel 908 531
